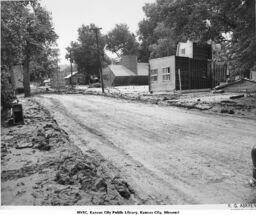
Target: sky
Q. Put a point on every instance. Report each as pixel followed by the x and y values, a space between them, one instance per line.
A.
pixel 69 15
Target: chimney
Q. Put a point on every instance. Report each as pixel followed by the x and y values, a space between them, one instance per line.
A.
pixel 130 62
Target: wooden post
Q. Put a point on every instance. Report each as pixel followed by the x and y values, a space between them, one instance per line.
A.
pixel 71 69
pixel 149 78
pixel 179 79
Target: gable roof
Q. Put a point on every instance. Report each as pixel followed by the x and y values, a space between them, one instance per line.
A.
pixel 120 70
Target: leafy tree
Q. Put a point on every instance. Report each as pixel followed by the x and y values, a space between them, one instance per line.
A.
pixel 40 35
pixel 84 51
pixel 229 22
pixel 27 32
pixel 121 41
pixel 44 64
pixel 12 29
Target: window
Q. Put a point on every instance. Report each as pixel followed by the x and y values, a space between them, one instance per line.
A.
pixel 153 74
pixel 166 74
pixel 183 51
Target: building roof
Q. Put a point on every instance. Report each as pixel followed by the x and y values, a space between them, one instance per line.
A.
pixel 68 76
pixel 120 70
pixel 142 69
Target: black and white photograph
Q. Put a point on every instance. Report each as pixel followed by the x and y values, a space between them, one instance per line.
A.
pixel 128 103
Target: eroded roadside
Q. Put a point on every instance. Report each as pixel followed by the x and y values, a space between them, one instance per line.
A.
pixel 40 165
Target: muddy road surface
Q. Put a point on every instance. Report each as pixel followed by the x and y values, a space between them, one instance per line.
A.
pixel 168 155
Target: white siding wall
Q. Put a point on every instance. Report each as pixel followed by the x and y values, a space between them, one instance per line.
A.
pixel 185 49
pixel 161 85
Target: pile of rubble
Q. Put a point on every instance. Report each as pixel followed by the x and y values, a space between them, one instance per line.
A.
pixel 41 166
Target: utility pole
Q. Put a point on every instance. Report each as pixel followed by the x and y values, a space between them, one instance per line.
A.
pixel 71 68
pixel 97 30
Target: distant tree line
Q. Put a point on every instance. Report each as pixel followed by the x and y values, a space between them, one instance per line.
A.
pixel 84 51
pixel 230 23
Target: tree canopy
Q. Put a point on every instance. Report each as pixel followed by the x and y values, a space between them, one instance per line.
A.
pixel 28 38
pixel 230 23
pixel 84 51
pixel 121 41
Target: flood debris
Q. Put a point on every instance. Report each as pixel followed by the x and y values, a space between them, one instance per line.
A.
pixel 122 187
pixel 42 166
pixel 236 96
pixel 210 101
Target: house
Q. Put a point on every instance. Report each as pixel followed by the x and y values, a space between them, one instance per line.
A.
pixel 128 72
pixel 76 78
pixel 179 73
pixel 239 86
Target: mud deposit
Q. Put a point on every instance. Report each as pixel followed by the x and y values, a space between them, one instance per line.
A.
pixel 42 166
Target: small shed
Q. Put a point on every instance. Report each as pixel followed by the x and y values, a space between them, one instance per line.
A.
pixel 76 78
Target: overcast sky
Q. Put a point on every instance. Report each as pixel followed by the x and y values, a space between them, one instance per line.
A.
pixel 69 15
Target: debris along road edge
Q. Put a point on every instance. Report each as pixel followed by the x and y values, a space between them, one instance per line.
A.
pixel 42 166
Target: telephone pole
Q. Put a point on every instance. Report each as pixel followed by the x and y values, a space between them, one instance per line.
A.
pixel 97 30
pixel 71 69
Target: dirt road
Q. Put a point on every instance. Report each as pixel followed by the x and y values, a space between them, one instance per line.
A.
pixel 168 155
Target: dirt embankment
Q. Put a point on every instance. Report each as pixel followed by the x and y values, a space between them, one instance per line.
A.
pixel 41 166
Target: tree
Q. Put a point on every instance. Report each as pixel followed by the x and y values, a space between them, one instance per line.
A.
pixel 40 35
pixel 84 51
pixel 121 41
pixel 27 32
pixel 229 22
pixel 44 64
pixel 12 31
